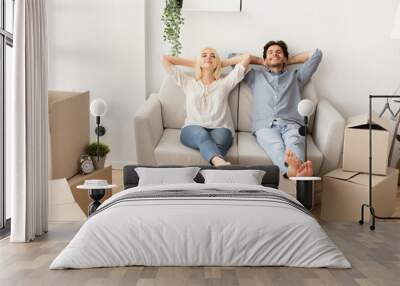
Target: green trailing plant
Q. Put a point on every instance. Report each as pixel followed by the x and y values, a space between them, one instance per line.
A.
pixel 91 150
pixel 173 20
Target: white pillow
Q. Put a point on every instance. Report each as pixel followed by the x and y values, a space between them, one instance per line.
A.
pixel 164 176
pixel 248 177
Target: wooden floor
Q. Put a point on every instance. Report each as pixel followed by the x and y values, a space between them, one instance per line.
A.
pixel 374 255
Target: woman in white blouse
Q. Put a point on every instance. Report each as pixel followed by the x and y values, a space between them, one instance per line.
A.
pixel 208 125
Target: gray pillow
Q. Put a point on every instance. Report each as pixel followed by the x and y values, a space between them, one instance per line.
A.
pixel 165 176
pixel 248 177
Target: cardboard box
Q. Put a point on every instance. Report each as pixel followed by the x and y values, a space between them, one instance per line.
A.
pixel 343 194
pixel 81 196
pixel 356 144
pixel 69 120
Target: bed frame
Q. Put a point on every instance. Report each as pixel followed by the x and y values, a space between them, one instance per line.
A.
pixel 270 179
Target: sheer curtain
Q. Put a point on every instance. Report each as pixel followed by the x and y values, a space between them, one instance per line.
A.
pixel 28 121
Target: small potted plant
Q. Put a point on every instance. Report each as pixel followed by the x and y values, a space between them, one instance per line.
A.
pixel 98 159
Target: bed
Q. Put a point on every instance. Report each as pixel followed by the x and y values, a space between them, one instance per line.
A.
pixel 197 224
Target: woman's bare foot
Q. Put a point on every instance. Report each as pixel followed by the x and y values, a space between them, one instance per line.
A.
pixel 218 161
pixel 305 170
pixel 293 163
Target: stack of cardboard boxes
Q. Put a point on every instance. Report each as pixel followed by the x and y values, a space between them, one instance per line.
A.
pixel 69 119
pixel 346 189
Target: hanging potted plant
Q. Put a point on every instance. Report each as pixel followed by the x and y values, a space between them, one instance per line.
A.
pixel 173 20
pixel 98 159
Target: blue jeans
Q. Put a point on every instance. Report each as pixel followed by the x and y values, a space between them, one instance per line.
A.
pixel 280 136
pixel 210 142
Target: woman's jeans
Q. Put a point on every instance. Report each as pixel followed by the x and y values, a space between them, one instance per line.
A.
pixel 210 142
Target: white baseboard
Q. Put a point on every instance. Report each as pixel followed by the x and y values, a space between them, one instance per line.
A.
pixel 118 165
pixel 66 213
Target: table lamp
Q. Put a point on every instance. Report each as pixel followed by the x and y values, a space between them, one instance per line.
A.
pixel 305 108
pixel 305 185
pixel 98 108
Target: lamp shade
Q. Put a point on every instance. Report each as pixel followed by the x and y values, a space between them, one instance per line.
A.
pixel 98 107
pixel 306 107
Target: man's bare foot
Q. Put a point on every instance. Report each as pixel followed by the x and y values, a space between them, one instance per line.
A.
pixel 305 170
pixel 218 161
pixel 293 163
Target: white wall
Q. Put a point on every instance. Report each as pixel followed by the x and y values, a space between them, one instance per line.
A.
pixel 359 56
pixel 99 45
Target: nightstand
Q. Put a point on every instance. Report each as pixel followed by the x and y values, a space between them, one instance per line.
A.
pixel 96 190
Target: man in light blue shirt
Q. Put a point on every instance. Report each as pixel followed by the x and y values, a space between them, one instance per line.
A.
pixel 276 94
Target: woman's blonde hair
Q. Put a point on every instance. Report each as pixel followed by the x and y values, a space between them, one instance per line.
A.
pixel 217 71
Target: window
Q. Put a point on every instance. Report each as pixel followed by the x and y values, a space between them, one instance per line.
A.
pixel 6 44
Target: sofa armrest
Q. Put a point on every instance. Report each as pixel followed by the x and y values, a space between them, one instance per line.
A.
pixel 328 135
pixel 148 129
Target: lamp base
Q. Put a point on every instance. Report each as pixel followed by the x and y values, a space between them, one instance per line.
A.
pixel 305 193
pixel 96 195
pixel 305 190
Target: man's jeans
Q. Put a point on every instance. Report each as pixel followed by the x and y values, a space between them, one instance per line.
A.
pixel 282 135
pixel 210 142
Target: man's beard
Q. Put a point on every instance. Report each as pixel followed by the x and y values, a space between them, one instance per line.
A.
pixel 277 65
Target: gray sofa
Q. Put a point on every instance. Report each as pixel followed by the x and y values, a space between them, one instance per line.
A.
pixel 158 124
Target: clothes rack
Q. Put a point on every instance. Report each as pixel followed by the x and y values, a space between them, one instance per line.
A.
pixel 369 205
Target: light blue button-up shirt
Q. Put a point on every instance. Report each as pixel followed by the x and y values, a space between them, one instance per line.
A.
pixel 276 96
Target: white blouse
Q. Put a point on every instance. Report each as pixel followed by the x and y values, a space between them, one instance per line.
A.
pixel 207 105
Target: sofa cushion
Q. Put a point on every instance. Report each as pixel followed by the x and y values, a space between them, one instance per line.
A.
pixel 174 109
pixel 233 104
pixel 244 108
pixel 246 100
pixel 170 151
pixel 250 152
